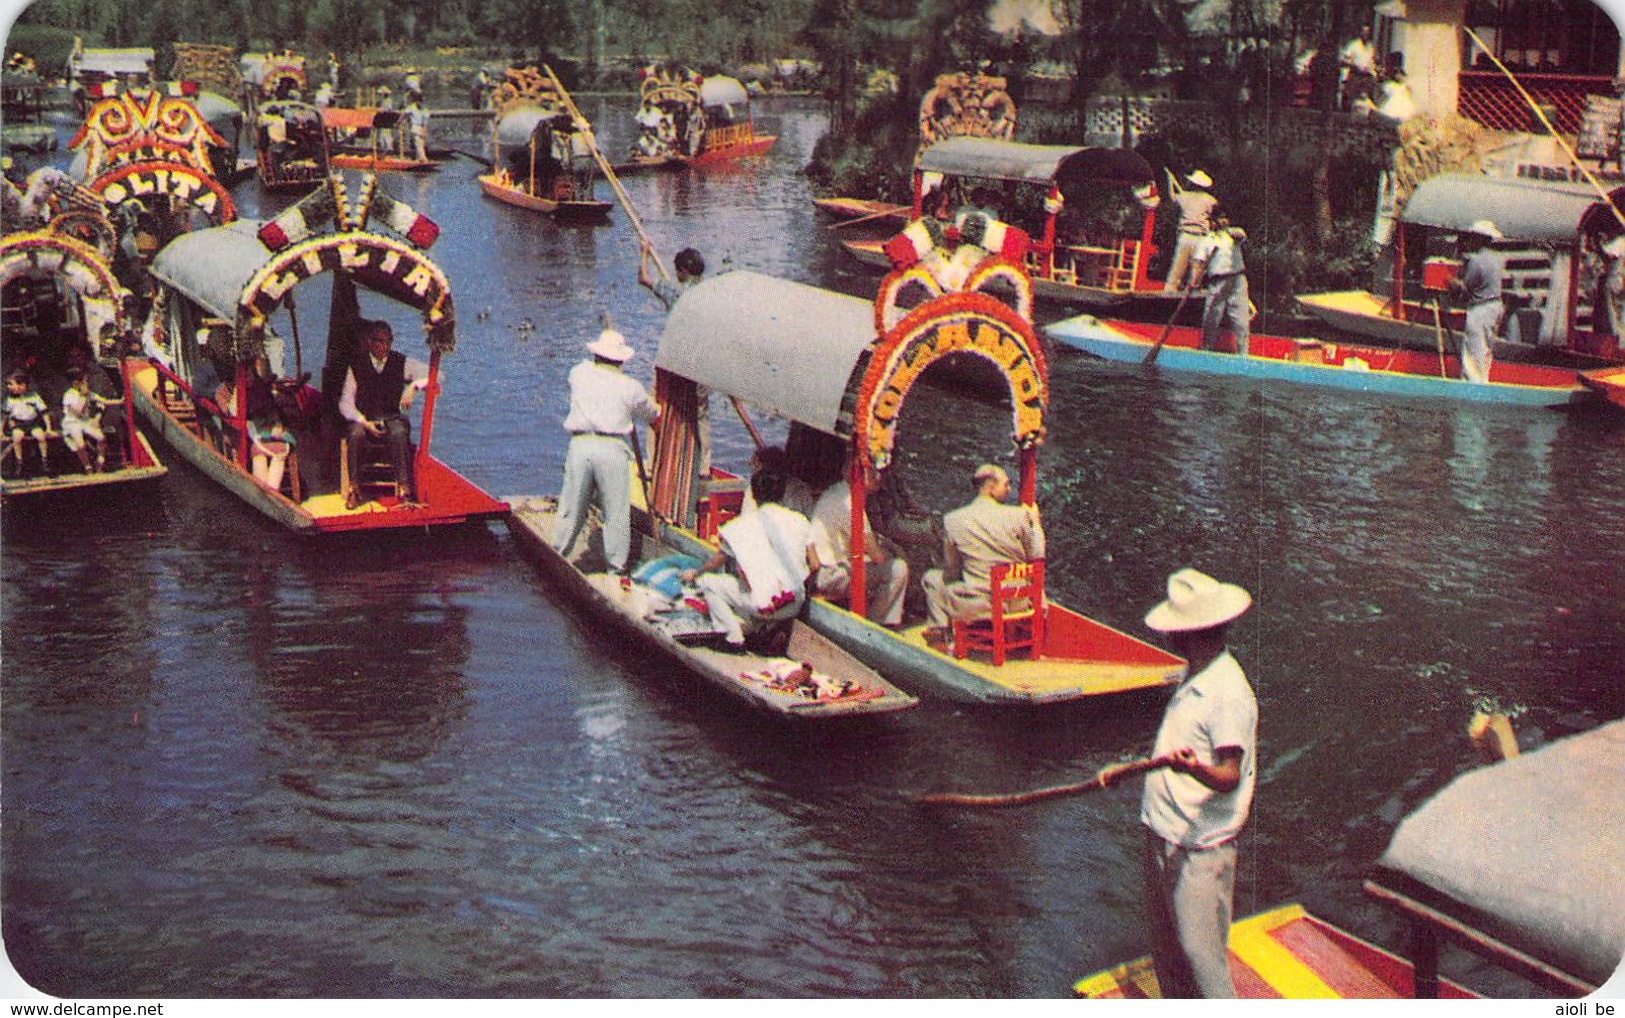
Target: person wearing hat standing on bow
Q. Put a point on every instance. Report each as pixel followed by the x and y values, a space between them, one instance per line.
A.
pixel 605 405
pixel 1195 204
pixel 1193 809
pixel 1479 290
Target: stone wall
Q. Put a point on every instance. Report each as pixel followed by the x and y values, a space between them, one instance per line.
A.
pixel 1260 125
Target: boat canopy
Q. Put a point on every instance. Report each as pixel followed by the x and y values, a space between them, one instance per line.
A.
pixel 229 273
pixel 1531 847
pixel 334 117
pixel 991 159
pixel 786 347
pixel 1092 166
pixel 516 126
pixel 722 91
pixel 1520 209
pixel 114 61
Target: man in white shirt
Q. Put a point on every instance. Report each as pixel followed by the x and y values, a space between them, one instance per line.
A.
pixel 1221 267
pixel 765 548
pixel 1195 204
pixel 604 404
pixel 1194 808
pixel 829 548
pixel 377 393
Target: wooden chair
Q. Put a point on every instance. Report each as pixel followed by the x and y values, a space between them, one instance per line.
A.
pixel 1005 630
pixel 376 474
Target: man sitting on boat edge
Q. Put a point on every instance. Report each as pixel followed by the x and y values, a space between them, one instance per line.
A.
pixel 829 552
pixel 767 548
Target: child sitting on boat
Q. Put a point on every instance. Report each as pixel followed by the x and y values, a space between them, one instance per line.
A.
pixel 82 419
pixel 26 416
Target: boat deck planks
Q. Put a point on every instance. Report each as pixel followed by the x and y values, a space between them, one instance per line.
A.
pixel 1283 953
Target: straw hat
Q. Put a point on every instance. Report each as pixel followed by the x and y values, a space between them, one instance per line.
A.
pixel 1200 178
pixel 1197 601
pixel 612 346
pixel 1485 228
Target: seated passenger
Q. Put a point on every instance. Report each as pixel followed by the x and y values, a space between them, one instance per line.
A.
pixel 977 537
pixel 765 550
pixel 378 390
pixel 829 550
pixel 798 495
pixel 26 416
pixel 82 419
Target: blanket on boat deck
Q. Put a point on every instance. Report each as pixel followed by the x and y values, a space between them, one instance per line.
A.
pixel 769 545
pixel 1534 844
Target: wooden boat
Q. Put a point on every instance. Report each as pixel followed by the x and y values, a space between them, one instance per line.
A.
pixel 102 73
pixel 352 141
pixel 1390 371
pixel 233 284
pixel 290 146
pixel 1609 383
pixel 1518 862
pixel 853 689
pixel 847 209
pixel 210 76
pixel 149 158
pixel 686 119
pixel 1283 953
pixel 57 293
pixel 542 159
pixel 1552 239
pixel 839 368
pixel 22 112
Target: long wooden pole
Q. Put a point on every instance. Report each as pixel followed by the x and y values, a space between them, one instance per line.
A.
pixel 1104 778
pixel 1550 128
pixel 609 171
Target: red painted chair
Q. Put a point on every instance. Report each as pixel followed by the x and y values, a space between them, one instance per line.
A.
pixel 1005 630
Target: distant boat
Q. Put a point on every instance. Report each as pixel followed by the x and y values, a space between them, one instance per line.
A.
pixel 540 161
pixel 1315 362
pixel 687 119
pixel 353 141
pixel 1551 246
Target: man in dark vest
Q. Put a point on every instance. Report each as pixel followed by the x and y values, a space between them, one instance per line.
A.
pixel 378 391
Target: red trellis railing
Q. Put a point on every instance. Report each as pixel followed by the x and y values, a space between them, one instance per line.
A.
pixel 1490 99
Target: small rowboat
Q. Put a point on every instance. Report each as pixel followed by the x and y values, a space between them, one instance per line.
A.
pixel 1314 362
pixel 849 688
pixel 1284 953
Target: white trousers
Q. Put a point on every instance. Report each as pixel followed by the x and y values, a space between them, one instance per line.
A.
pixel 1189 899
pixel 728 603
pixel 884 583
pixel 597 464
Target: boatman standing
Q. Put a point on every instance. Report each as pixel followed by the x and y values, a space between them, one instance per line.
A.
pixel 1479 287
pixel 1222 268
pixel 1194 809
pixel 1195 204
pixel 605 404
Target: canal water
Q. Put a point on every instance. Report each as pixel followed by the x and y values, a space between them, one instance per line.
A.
pixel 242 764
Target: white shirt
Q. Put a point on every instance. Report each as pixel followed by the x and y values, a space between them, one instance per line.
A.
pixel 831 533
pixel 1211 709
pixel 1220 253
pixel 603 401
pixel 417 376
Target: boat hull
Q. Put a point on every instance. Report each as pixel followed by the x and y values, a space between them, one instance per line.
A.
pixel 758 145
pixel 574 210
pixel 381 164
pixel 1335 365
pixel 448 498
pixel 1285 953
pixel 605 598
pixel 131 476
pixel 1608 383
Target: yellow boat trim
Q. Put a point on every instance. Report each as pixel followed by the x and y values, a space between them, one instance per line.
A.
pixel 1251 944
pixel 1360 302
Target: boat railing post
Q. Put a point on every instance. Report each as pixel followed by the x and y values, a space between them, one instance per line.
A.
pixel 430 391
pixel 1424 960
pixel 857 595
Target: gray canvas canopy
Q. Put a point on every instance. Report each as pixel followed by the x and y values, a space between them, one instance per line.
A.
pixel 1531 848
pixel 114 61
pixel 212 267
pixel 722 91
pixel 996 160
pixel 516 126
pixel 786 347
pixel 1521 209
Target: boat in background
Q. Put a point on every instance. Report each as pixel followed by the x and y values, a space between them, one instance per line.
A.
pixel 58 293
pixel 290 146
pixel 1609 383
pixel 811 679
pixel 839 369
pixel 223 290
pixel 1385 370
pixel 1285 953
pixel 542 158
pixel 353 141
pixel 1553 236
pixel 686 119
pixel 211 77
